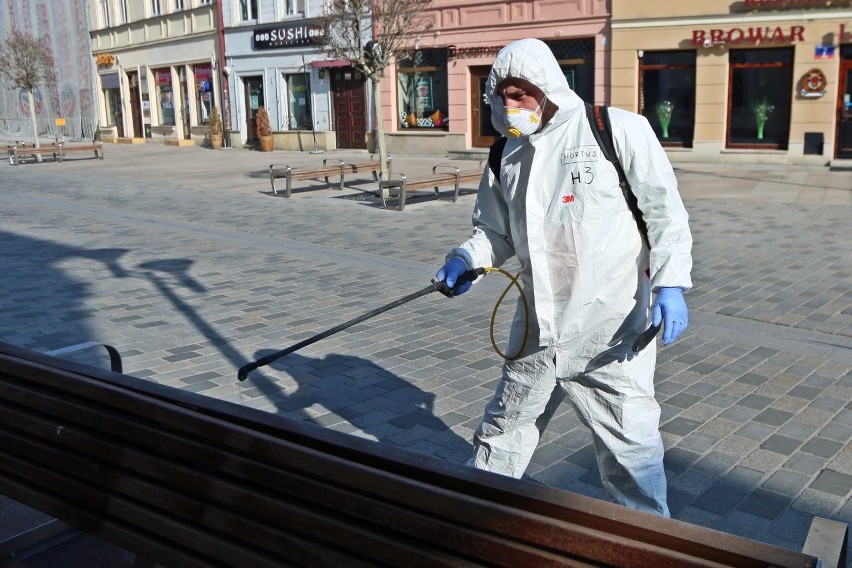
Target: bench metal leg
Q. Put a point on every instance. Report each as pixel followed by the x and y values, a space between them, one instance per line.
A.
pixel 827 541
pixel 403 190
pixel 115 363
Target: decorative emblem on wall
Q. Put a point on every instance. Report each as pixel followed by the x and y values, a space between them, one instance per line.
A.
pixel 813 83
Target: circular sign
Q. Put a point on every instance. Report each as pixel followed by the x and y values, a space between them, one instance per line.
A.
pixel 814 81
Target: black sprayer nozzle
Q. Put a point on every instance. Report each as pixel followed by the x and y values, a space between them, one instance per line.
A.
pixel 467 276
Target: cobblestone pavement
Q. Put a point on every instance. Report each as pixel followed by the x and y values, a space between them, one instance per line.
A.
pixel 183 260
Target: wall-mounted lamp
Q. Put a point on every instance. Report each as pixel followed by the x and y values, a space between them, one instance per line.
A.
pixel 321 73
pixel 640 53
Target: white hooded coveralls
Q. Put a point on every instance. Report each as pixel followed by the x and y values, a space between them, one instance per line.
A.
pixel 557 206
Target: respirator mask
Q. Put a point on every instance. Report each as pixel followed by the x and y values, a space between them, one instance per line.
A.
pixel 523 121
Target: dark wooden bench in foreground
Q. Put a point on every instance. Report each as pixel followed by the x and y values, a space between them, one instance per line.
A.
pixel 58 150
pixel 184 480
pixel 443 175
pixel 330 167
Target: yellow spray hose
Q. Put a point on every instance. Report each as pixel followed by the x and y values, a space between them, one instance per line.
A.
pixel 514 282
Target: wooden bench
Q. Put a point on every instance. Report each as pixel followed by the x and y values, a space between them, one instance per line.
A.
pixel 442 175
pixel 19 151
pixel 58 150
pixel 330 167
pixel 181 479
pixel 96 147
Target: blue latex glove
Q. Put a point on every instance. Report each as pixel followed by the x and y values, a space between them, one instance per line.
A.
pixel 670 310
pixel 450 272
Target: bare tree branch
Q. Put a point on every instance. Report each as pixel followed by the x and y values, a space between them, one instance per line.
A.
pixel 26 61
pixel 370 34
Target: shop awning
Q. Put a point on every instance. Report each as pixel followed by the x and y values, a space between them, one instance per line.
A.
pixel 330 63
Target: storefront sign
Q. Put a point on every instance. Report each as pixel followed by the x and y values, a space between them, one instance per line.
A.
pixel 306 32
pixel 163 76
pixel 203 73
pixel 754 35
pixel 776 4
pixel 454 52
pixel 110 81
pixel 813 83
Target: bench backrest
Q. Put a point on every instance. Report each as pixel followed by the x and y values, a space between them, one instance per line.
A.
pixel 184 479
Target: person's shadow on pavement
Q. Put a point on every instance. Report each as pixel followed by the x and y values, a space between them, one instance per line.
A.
pixel 354 395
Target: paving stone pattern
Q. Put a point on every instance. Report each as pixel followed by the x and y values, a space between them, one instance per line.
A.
pixel 184 260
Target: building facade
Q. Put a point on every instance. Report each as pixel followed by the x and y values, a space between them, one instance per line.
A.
pixel 757 80
pixel 157 68
pixel 67 108
pixel 434 101
pixel 274 60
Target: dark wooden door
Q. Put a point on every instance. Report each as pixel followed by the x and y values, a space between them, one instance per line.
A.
pixel 484 134
pixel 350 118
pixel 254 100
pixel 135 107
pixel 844 111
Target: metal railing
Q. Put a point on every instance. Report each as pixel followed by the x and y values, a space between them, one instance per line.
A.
pixel 75 129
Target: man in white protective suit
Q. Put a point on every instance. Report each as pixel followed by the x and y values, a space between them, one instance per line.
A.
pixel 591 283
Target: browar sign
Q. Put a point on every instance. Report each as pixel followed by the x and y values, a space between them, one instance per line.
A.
pixel 303 32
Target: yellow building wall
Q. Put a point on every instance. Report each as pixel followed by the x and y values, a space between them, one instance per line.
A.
pixel 638 27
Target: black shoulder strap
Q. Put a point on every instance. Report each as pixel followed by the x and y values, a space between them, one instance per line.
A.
pixel 495 156
pixel 602 129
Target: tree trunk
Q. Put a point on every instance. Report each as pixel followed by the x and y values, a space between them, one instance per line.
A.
pixel 380 131
pixel 31 101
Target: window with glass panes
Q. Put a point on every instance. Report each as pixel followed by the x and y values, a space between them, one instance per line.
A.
pixel 667 95
pixel 761 85
pixel 248 9
pixel 298 102
pixel 576 58
pixel 422 90
pixel 204 90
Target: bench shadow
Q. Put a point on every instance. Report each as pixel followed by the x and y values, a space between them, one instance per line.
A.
pixel 353 395
pixel 340 392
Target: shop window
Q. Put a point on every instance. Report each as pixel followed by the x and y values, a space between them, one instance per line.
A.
pixel 761 83
pixel 204 89
pixel 576 58
pixel 298 102
pixel 112 102
pixel 667 95
pixel 165 96
pixel 422 90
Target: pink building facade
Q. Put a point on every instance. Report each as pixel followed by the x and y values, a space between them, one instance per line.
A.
pixel 433 102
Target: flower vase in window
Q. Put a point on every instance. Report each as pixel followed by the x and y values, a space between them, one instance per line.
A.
pixel 664 115
pixel 762 110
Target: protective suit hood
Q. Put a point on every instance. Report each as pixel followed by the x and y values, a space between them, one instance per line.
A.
pixel 531 60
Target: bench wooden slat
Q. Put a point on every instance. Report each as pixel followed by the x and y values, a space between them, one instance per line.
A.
pixel 17 152
pixel 165 473
pixel 136 482
pixel 341 168
pixel 58 150
pixel 450 175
